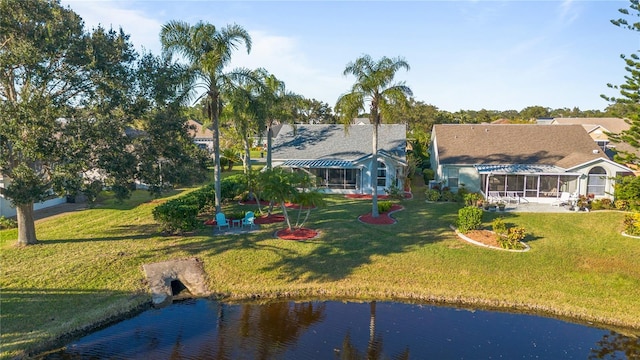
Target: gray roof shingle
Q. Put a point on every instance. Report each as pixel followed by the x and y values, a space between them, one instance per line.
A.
pixel 332 142
pixel 469 144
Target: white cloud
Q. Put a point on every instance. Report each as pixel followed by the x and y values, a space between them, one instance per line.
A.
pixel 144 30
pixel 282 57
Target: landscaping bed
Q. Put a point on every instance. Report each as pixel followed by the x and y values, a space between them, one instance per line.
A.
pixel 87 268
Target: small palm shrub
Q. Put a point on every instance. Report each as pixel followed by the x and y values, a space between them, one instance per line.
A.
pixel 621 204
pixel 514 238
pixel 469 218
pixel 499 226
pixel 384 206
pixel 471 199
pixel 632 224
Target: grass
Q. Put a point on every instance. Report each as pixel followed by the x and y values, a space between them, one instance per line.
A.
pixel 87 270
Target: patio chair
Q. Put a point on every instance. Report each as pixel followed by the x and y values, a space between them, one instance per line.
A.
pixel 562 200
pixel 249 217
pixel 513 196
pixel 494 196
pixel 222 221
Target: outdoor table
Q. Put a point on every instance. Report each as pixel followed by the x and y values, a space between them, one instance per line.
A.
pixel 236 222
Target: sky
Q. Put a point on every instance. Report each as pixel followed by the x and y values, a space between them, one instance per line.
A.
pixel 463 55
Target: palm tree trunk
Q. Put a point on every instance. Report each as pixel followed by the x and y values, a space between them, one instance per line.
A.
pixel 247 155
pixel 26 225
pixel 269 141
pixel 374 173
pixel 216 147
pixel 286 215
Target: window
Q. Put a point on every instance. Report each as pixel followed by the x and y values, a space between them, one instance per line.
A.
pixel 382 174
pixel 596 181
pixel 452 177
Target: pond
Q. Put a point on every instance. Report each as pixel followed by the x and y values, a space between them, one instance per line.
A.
pixel 207 329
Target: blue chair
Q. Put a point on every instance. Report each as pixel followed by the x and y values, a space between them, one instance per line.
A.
pixel 221 220
pixel 249 217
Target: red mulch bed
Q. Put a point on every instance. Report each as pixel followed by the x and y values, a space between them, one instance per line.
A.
pixel 297 234
pixel 383 218
pixel 407 195
pixel 483 236
pixel 270 219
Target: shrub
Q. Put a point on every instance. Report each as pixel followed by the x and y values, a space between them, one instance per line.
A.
pixel 597 205
pixel 432 195
pixel 384 206
pixel 447 195
pixel 499 226
pixel 471 199
pixel 7 223
pixel 461 194
pixel 395 192
pixel 606 203
pixel 469 218
pixel 177 216
pixel 621 205
pixel 513 238
pixel 233 186
pixel 632 224
pixel 428 175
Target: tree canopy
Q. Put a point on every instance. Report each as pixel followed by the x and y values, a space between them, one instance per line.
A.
pixel 628 103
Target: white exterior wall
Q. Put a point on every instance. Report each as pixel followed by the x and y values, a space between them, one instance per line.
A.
pixel 612 170
pixel 470 177
pixel 7 210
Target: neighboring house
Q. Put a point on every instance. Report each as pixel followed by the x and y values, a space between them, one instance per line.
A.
pixel 597 128
pixel 361 121
pixel 8 210
pixel 340 160
pixel 534 162
pixel 202 136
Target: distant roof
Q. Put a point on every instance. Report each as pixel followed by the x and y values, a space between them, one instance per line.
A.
pixel 332 142
pixel 196 130
pixel 614 125
pixel 472 144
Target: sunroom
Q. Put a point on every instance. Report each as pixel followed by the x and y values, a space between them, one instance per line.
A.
pixel 528 182
pixel 329 174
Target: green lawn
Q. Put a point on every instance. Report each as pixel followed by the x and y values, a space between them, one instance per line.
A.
pixel 88 267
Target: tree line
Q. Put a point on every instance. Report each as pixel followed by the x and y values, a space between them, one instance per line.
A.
pixel 81 111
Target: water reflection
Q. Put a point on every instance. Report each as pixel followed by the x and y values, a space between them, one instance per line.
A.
pixel 202 329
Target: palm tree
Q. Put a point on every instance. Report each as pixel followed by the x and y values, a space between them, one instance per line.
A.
pixel 208 50
pixel 275 99
pixel 375 86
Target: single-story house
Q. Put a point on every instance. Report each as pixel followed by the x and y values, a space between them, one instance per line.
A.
pixel 533 162
pixel 597 128
pixel 340 159
pixel 202 136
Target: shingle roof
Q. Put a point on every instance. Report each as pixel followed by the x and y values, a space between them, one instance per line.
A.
pixel 332 142
pixel 470 144
pixel 197 131
pixel 614 125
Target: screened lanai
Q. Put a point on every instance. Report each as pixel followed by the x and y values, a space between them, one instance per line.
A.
pixel 527 181
pixel 329 174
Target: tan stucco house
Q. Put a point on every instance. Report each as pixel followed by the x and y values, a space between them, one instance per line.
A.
pixel 532 162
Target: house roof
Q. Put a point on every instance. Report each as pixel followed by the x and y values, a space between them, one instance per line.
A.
pixel 472 144
pixel 614 125
pixel 332 142
pixel 197 131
